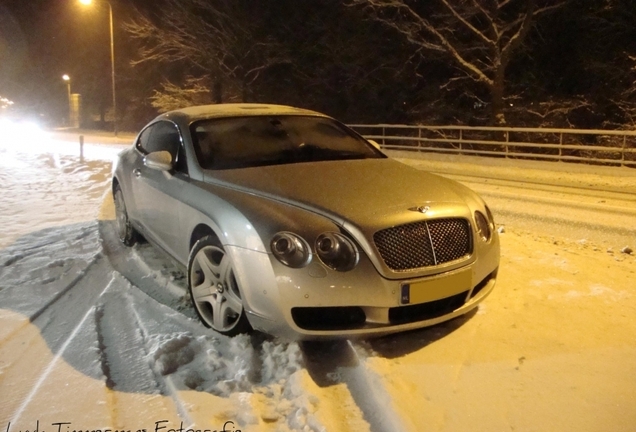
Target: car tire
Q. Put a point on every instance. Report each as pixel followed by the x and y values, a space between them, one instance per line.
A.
pixel 214 290
pixel 125 231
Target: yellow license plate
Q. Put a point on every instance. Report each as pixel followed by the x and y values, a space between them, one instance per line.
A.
pixel 436 287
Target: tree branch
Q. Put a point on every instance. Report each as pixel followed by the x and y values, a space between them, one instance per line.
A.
pixel 467 24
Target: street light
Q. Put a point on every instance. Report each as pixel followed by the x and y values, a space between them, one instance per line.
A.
pixel 112 57
pixel 67 78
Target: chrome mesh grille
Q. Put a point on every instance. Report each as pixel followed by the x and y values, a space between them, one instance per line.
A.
pixel 424 243
pixel 450 238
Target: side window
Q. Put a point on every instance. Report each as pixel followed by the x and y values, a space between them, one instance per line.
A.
pixel 142 143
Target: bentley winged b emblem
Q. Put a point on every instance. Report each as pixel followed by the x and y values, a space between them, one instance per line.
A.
pixel 421 209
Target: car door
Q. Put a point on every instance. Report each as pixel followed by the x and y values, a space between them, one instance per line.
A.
pixel 132 162
pixel 158 192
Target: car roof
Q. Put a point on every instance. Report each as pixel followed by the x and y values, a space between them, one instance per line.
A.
pixel 236 110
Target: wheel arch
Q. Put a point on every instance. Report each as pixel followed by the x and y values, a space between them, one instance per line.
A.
pixel 200 231
pixel 115 184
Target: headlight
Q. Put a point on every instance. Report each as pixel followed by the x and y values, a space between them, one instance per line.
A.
pixel 483 226
pixel 336 251
pixel 290 249
pixel 491 218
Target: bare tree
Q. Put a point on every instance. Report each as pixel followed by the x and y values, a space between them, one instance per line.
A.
pixel 218 41
pixel 627 101
pixel 480 37
pixel 193 91
pixel 342 64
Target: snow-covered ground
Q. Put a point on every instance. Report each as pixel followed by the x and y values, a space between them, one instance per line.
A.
pixel 96 336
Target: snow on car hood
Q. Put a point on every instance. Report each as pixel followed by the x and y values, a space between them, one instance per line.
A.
pixel 364 191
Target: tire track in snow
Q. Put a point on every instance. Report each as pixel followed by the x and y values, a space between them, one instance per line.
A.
pixel 255 374
pixel 123 344
pixel 130 264
pixel 53 291
pixel 110 348
pixel 44 375
pixel 332 363
pixel 59 327
pixel 125 356
pixel 56 261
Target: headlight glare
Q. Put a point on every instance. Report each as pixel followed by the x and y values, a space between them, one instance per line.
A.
pixel 290 249
pixel 337 251
pixel 483 226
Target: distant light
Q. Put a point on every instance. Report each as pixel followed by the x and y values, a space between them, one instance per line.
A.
pixel 5 103
pixel 85 2
pixel 16 131
pixel 66 77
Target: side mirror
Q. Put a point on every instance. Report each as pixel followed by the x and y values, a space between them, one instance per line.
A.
pixel 160 160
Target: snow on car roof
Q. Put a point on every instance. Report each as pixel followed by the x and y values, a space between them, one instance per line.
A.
pixel 239 110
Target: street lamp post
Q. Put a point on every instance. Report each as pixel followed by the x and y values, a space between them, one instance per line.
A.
pixel 67 78
pixel 112 58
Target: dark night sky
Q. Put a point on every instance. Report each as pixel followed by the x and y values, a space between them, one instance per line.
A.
pixel 581 51
pixel 40 40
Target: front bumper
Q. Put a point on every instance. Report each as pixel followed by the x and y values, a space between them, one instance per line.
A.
pixel 333 322
pixel 316 303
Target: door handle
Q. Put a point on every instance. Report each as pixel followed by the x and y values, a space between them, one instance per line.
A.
pixel 137 172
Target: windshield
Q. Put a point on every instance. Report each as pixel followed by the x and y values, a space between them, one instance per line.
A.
pixel 242 142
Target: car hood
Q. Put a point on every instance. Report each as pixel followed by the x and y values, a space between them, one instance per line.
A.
pixel 365 192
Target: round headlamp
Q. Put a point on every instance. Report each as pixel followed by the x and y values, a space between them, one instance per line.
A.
pixel 483 226
pixel 290 249
pixel 336 251
pixel 491 218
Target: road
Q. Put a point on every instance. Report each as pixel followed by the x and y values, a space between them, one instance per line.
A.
pixel 600 216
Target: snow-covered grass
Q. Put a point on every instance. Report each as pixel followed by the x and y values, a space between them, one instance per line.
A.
pixel 103 336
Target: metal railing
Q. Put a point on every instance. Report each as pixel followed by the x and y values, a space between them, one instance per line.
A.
pixel 607 147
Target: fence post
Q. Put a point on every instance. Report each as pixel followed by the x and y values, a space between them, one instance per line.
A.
pixel 419 140
pixel 81 142
pixel 560 146
pixel 623 150
pixel 507 141
pixel 461 137
pixel 383 134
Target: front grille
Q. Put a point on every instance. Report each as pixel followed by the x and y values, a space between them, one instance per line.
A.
pixel 424 243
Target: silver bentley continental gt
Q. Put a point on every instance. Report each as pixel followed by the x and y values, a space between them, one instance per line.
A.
pixel 290 223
